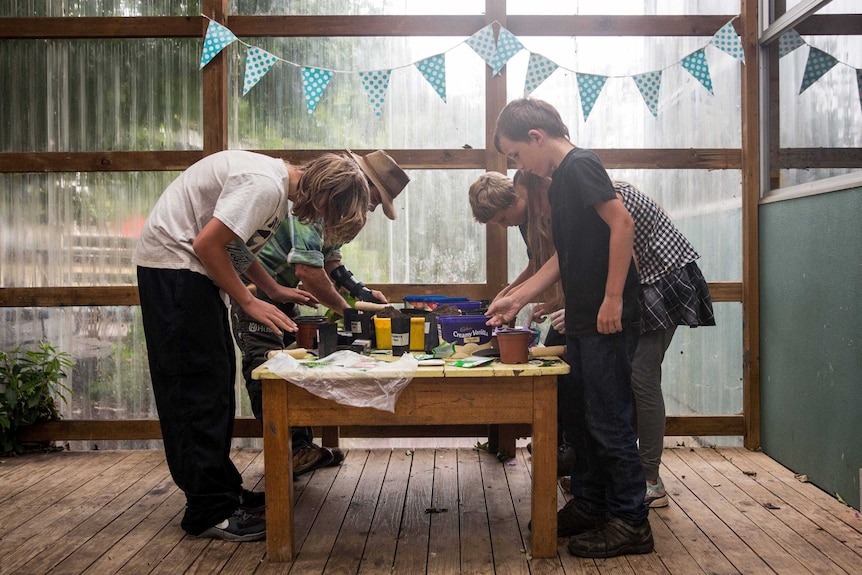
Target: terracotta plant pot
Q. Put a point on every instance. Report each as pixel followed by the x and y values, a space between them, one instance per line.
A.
pixel 307 335
pixel 514 345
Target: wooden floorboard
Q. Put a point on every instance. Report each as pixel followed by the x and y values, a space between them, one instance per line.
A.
pixel 397 510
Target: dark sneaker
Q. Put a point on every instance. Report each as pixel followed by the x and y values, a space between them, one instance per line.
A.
pixel 573 519
pixel 238 527
pixel 252 501
pixel 565 459
pixel 614 539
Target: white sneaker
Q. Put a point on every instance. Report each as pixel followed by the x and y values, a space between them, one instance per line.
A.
pixel 656 496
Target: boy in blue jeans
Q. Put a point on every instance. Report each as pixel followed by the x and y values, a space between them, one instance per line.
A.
pixel 593 235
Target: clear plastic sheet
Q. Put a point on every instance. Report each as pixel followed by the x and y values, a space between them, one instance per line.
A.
pixel 349 378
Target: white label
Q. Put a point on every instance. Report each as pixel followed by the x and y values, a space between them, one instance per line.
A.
pixel 400 339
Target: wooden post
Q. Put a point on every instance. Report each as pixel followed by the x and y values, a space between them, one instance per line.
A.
pixel 750 232
pixel 496 268
pixel 214 85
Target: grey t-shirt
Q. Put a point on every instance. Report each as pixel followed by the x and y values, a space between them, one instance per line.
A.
pixel 245 191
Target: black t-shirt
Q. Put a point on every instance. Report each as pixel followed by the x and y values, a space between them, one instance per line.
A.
pixel 582 238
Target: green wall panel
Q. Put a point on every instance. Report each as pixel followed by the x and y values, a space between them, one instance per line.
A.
pixel 811 377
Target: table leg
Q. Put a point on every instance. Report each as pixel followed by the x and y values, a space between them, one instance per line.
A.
pixel 544 507
pixel 278 470
pixel 329 436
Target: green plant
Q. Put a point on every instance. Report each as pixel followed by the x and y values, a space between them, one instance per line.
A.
pixel 28 381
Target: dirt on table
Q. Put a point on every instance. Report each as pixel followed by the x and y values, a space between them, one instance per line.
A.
pixel 389 311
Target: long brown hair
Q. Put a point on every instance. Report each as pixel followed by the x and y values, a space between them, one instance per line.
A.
pixel 334 189
pixel 539 237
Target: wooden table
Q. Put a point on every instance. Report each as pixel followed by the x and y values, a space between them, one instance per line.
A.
pixel 496 393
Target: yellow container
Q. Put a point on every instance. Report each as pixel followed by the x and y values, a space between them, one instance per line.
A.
pixel 383 332
pixel 417 334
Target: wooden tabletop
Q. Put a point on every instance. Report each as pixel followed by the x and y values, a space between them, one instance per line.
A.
pixel 545 366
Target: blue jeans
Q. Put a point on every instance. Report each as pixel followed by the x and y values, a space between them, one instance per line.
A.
pixel 607 476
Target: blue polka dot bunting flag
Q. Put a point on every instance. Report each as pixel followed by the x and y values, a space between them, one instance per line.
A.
pixel 649 85
pixel 257 64
pixel 217 37
pixel 483 43
pixel 314 81
pixel 507 46
pixel 788 42
pixel 375 84
pixel 434 70
pixel 589 87
pixel 727 40
pixel 695 64
pixel 539 68
pixel 819 62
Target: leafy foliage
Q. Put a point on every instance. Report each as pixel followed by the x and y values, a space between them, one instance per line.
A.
pixel 28 381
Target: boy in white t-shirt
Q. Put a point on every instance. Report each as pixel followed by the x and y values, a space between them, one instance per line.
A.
pixel 203 232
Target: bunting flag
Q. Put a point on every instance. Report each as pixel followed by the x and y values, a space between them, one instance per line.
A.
pixel 819 62
pixel 727 40
pixel 497 50
pixel 507 46
pixel 483 43
pixel 375 84
pixel 216 39
pixel 434 71
pixel 314 81
pixel 589 87
pixel 788 42
pixel 539 68
pixel 257 64
pixel 649 85
pixel 695 64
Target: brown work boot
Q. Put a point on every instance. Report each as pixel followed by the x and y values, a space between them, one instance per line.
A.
pixel 307 459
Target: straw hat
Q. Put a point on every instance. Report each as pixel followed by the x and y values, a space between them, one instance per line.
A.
pixel 386 175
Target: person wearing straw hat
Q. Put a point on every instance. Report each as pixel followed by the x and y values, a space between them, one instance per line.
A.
pixel 299 253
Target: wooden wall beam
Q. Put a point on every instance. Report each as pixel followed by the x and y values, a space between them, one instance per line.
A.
pixel 410 159
pixel 344 26
pixel 139 429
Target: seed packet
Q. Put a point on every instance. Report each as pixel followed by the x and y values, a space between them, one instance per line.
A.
pixel 445 349
pixel 472 361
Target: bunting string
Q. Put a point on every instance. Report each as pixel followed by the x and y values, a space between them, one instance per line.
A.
pixel 497 50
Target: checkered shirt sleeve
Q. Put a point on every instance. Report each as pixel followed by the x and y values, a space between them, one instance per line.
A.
pixel 659 246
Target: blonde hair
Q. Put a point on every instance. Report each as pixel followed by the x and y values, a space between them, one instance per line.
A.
pixel 334 189
pixel 489 194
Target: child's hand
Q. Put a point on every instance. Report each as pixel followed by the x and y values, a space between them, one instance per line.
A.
pixel 295 295
pixel 269 315
pixel 558 320
pixel 610 316
pixel 502 311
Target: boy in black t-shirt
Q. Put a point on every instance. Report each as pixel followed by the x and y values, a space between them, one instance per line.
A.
pixel 593 235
